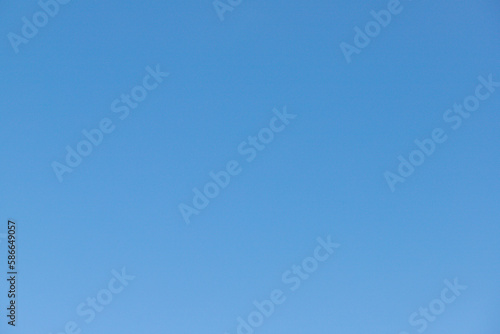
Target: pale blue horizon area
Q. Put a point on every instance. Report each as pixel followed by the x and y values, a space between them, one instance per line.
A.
pixel 323 175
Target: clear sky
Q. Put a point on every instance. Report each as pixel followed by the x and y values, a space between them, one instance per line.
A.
pixel 321 175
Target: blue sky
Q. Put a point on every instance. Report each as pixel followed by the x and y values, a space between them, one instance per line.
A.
pixel 323 175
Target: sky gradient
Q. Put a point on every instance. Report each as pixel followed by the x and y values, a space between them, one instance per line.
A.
pixel 321 176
